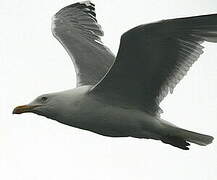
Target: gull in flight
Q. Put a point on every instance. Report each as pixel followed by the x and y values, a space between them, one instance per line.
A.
pixel 120 96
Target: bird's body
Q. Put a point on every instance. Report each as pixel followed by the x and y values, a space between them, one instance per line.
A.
pixel 79 109
pixel 120 97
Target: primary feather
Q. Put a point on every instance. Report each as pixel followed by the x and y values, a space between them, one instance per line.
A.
pixel 77 29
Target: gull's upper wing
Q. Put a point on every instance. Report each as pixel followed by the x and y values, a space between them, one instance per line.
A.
pixel 153 58
pixel 76 27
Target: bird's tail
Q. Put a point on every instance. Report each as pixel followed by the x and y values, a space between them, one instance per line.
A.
pixel 180 138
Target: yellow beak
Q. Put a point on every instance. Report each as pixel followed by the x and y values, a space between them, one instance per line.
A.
pixel 24 109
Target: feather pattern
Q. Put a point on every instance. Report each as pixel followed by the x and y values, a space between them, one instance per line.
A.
pixel 153 58
pixel 77 29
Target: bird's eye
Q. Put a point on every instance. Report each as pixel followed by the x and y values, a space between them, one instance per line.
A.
pixel 44 99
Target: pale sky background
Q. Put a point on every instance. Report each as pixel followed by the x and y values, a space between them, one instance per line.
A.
pixel 32 62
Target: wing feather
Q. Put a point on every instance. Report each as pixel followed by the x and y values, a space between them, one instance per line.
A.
pixel 76 27
pixel 153 58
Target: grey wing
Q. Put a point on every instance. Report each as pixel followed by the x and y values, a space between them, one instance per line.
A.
pixel 153 58
pixel 76 28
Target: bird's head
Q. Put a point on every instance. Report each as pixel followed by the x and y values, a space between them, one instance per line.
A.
pixel 43 105
pixel 57 106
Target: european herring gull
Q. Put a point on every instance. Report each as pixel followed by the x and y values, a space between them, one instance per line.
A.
pixel 120 97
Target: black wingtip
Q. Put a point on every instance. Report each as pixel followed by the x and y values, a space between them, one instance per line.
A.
pixel 85 6
pixel 82 4
pixel 88 6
